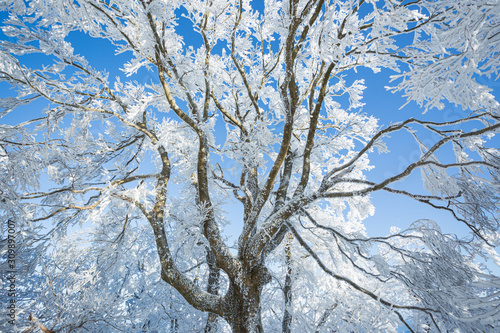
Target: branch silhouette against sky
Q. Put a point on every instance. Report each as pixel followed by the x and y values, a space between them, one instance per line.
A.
pixel 251 166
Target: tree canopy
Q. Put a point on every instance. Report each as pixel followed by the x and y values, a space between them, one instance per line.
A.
pixel 121 188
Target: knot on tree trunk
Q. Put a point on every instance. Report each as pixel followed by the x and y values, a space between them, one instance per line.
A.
pixel 258 276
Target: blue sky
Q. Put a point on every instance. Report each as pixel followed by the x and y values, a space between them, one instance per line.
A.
pixel 390 209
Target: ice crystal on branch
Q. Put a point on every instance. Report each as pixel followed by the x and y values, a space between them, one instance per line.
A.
pixel 208 166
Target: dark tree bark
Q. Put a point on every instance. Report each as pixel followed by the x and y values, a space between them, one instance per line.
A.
pixel 212 288
pixel 243 306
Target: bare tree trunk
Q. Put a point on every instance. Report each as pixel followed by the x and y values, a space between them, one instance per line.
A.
pixel 212 288
pixel 286 323
pixel 243 311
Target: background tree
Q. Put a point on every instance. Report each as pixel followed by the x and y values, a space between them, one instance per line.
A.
pixel 260 110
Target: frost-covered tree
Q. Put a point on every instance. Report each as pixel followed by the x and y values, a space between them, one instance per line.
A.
pixel 121 188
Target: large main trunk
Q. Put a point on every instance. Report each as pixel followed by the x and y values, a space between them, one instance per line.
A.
pixel 243 310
